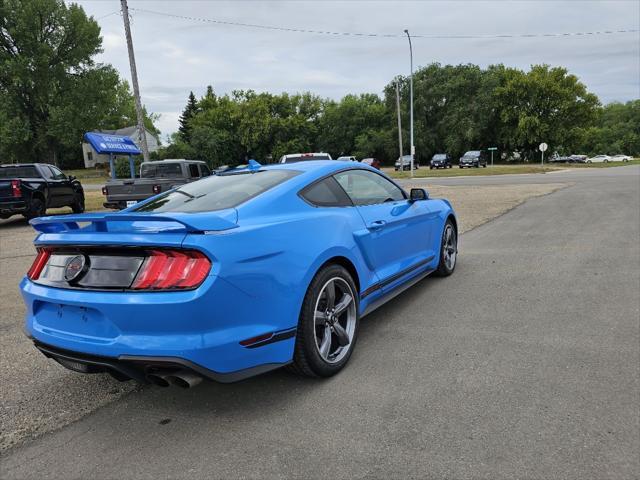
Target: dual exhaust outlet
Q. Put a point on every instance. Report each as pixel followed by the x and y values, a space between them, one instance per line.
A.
pixel 179 378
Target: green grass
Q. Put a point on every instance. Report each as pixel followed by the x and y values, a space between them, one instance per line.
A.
pixel 89 175
pixel 635 161
pixel 92 203
pixel 425 172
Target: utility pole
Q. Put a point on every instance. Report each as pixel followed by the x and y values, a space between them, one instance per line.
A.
pixel 134 81
pixel 399 121
pixel 413 148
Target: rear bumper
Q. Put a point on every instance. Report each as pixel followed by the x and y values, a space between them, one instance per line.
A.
pixel 137 368
pixel 199 329
pixel 13 207
pixel 115 205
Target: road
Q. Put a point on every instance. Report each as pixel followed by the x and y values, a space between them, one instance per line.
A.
pixel 525 363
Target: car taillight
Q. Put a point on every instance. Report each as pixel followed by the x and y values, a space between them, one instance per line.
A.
pixel 105 192
pixel 156 189
pixel 16 188
pixel 172 269
pixel 38 264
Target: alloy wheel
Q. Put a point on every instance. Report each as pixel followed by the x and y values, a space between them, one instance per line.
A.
pixel 450 247
pixel 335 319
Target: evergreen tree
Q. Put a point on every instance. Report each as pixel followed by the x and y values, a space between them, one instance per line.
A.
pixel 190 110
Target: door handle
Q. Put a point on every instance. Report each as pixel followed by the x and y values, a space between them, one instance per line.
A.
pixel 377 225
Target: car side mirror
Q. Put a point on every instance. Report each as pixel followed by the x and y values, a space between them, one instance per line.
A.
pixel 418 194
pixel 71 178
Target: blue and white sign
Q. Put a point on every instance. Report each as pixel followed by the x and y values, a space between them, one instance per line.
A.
pixel 106 143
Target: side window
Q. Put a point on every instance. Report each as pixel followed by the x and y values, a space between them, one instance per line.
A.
pixel 204 171
pixel 57 174
pixel 193 170
pixel 46 172
pixel 368 188
pixel 326 193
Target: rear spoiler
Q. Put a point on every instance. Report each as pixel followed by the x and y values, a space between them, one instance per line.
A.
pixel 127 222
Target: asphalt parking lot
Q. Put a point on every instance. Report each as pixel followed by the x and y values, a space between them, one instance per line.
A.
pixel 524 363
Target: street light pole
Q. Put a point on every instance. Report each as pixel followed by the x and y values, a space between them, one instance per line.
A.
pixel 413 148
pixel 399 121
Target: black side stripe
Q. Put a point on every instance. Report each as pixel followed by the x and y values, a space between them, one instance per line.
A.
pixel 394 277
pixel 277 337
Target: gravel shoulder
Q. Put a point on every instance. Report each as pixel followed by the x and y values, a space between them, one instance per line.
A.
pixel 38 396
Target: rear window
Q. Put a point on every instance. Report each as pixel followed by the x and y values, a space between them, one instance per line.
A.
pixel 439 156
pixel 302 158
pixel 217 192
pixel 25 171
pixel 161 170
pixel 472 153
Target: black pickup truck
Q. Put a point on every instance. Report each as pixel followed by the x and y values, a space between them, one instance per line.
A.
pixel 155 177
pixel 30 188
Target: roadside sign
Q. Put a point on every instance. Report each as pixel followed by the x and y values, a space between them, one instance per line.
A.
pixel 543 148
pixel 492 149
pixel 106 143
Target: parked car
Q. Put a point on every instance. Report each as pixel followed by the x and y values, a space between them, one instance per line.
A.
pixel 372 162
pixel 598 159
pixel 620 158
pixel 560 159
pixel 440 160
pixel 474 158
pixel 155 177
pixel 303 157
pixel 234 275
pixel 404 163
pixel 30 189
pixel 348 159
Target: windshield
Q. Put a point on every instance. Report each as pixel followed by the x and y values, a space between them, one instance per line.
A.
pixel 439 156
pixel 472 153
pixel 217 192
pixel 22 171
pixel 161 170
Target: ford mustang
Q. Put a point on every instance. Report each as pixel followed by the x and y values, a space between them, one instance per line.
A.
pixel 233 275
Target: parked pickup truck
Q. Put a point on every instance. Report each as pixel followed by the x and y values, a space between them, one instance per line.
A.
pixel 155 177
pixel 30 188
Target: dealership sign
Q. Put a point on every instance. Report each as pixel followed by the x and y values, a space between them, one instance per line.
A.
pixel 106 143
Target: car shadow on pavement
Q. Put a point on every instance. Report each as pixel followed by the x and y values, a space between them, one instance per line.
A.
pixel 279 388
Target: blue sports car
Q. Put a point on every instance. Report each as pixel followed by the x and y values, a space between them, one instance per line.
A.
pixel 233 275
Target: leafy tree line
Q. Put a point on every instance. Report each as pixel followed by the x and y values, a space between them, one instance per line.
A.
pixel 456 108
pixel 51 89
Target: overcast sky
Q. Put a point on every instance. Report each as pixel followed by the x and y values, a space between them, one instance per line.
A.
pixel 175 56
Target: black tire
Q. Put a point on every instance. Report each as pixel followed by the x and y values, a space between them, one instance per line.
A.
pixel 36 208
pixel 444 269
pixel 307 360
pixel 78 205
pixel 484 165
pixel 461 166
pixel 431 167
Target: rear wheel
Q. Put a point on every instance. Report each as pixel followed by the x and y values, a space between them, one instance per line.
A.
pixel 36 208
pixel 448 250
pixel 78 204
pixel 328 324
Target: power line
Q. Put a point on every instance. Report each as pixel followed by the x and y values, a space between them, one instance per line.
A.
pixel 108 15
pixel 381 35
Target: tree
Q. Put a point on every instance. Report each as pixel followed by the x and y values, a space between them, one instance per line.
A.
pixel 544 105
pixel 51 90
pixel 187 114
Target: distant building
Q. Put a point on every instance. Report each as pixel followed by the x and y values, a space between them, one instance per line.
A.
pixel 91 158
